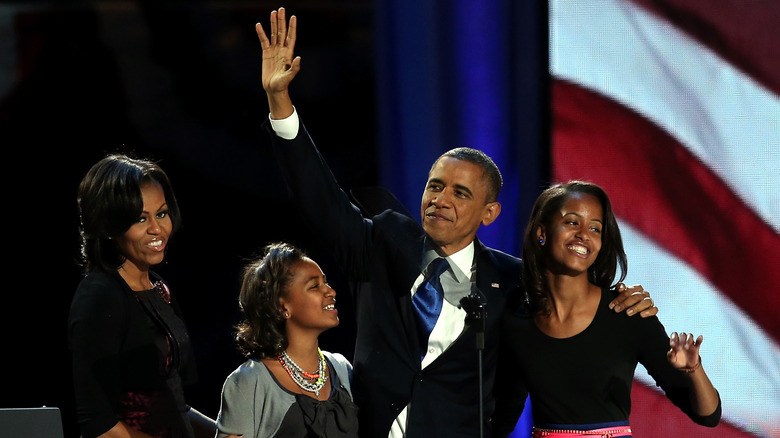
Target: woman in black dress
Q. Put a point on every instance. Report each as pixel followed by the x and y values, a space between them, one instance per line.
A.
pixel 130 348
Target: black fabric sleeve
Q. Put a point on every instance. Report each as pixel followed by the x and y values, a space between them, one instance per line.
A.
pixel 654 343
pixel 510 389
pixel 324 206
pixel 96 329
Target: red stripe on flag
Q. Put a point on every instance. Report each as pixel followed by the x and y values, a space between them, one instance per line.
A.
pixel 670 196
pixel 653 415
pixel 744 33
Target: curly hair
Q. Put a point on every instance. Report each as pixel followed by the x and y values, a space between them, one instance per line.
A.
pixel 601 273
pixel 109 202
pixel 261 333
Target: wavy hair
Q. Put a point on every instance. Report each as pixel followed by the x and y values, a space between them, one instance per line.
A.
pixel 109 202
pixel 603 271
pixel 261 333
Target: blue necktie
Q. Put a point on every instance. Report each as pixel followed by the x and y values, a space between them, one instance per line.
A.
pixel 427 301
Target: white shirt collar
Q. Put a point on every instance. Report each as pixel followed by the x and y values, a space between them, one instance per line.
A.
pixel 460 262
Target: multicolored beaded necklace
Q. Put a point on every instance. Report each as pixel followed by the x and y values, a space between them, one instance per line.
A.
pixel 311 382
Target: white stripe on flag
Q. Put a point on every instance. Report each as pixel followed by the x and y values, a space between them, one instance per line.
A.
pixel 741 360
pixel 721 115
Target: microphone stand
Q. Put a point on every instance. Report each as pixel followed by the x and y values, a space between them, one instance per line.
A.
pixel 475 306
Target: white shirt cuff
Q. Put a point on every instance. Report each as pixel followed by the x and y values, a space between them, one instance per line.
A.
pixel 286 128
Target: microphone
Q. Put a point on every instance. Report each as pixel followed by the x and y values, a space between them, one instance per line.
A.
pixel 475 305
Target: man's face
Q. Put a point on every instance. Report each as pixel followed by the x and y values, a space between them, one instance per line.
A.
pixel 454 203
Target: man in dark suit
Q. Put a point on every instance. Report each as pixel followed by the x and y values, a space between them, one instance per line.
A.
pixel 405 386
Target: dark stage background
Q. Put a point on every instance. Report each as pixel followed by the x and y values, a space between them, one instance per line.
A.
pixel 179 82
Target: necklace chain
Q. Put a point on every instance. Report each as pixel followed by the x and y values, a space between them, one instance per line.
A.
pixel 310 382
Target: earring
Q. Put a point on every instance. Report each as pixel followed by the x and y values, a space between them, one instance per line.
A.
pixel 286 315
pixel 541 241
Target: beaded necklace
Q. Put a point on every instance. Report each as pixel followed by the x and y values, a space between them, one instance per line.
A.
pixel 311 382
pixel 162 288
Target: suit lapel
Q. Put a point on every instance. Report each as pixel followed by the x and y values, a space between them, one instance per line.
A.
pixel 491 282
pixel 403 278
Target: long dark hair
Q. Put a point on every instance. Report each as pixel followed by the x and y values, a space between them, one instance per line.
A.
pixel 109 202
pixel 262 332
pixel 601 273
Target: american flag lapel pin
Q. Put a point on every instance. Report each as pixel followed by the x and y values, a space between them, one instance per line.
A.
pixel 495 285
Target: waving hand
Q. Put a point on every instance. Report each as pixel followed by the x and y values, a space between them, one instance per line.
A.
pixel 279 64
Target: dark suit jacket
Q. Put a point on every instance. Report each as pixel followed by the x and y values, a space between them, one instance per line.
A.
pixel 385 251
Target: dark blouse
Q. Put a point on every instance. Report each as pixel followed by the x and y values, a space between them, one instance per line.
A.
pixel 308 417
pixel 131 357
pixel 587 378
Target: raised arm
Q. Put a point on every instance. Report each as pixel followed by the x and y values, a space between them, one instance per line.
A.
pixel 279 65
pixel 315 192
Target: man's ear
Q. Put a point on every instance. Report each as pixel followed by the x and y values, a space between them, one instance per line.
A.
pixel 492 210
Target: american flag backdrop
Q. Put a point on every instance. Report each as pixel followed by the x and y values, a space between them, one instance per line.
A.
pixel 673 107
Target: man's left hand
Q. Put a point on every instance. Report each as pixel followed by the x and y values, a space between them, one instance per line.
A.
pixel 633 300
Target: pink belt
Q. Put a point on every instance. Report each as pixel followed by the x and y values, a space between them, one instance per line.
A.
pixel 606 432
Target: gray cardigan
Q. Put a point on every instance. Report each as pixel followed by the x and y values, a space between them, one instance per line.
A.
pixel 253 401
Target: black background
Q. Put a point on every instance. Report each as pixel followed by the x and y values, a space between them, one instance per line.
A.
pixel 177 82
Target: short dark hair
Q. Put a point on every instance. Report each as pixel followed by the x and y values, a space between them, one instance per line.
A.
pixel 492 175
pixel 110 202
pixel 262 333
pixel 601 273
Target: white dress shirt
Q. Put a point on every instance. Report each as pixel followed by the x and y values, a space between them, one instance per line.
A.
pixel 456 284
